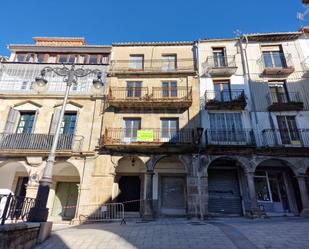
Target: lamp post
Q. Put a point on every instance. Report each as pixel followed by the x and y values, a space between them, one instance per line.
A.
pixel 39 212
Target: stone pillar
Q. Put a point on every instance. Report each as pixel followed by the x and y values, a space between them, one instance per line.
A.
pixel 254 210
pixel 303 194
pixel 148 207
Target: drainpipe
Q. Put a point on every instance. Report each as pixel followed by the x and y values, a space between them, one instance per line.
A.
pixel 246 69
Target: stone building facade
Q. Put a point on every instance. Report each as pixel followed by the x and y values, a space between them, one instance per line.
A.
pixel 195 129
pixel 29 117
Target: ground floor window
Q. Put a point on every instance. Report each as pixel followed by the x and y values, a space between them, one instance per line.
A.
pixel 271 191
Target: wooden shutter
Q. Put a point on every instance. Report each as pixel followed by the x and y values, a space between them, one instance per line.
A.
pixel 11 121
pixel 54 121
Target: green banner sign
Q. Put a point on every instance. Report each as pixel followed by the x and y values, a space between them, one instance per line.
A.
pixel 144 136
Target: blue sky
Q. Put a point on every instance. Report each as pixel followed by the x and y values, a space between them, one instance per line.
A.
pixel 104 22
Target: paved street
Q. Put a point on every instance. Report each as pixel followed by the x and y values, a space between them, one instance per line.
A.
pixel 225 233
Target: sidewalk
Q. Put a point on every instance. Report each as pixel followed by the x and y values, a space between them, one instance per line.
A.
pixel 225 233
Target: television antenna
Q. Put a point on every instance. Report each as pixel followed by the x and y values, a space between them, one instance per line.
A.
pixel 301 15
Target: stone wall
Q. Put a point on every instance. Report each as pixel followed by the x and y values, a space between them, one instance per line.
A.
pixel 19 235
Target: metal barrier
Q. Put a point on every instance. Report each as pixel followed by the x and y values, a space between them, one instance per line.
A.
pixel 15 208
pixel 102 212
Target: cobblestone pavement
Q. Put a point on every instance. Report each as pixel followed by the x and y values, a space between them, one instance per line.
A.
pixel 223 233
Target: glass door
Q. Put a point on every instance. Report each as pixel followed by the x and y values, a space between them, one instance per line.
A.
pixel 131 128
pixel 288 130
pixel 169 130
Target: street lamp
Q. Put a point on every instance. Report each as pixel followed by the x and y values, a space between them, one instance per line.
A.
pixel 39 212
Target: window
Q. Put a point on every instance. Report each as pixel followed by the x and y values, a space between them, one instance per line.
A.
pixel 261 188
pixel 288 130
pixel 222 91
pixel 132 125
pixel 25 123
pixel 40 58
pixel 169 130
pixel 136 62
pixel 31 58
pixel 62 58
pixel 169 89
pixel 134 89
pixel 68 123
pixel 169 62
pixel 103 59
pixel 82 59
pixel 93 59
pixel 226 127
pixel 20 57
pixel 278 92
pixel 273 56
pixel 72 58
pixel 219 57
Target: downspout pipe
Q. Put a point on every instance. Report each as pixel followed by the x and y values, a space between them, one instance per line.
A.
pixel 246 69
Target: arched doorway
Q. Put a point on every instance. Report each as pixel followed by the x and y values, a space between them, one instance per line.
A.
pixel 14 177
pixel 129 184
pixel 170 187
pixel 225 187
pixel 276 188
pixel 64 191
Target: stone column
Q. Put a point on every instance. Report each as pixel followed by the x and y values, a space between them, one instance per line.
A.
pixel 148 207
pixel 303 194
pixel 254 210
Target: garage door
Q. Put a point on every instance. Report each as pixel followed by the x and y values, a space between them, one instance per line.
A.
pixel 224 194
pixel 173 196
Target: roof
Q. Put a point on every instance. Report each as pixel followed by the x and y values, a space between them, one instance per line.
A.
pixel 273 36
pixel 168 43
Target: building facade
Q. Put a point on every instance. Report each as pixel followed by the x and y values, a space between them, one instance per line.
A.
pixel 195 129
pixel 30 114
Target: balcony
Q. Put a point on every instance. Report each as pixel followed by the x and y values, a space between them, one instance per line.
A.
pixel 220 66
pixel 154 139
pixel 154 98
pixel 285 138
pixel 282 101
pixel 225 100
pixel 279 64
pixel 160 66
pixel 23 143
pixel 244 137
pixel 17 78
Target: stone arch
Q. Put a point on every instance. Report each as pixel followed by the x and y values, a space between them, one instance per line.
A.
pixel 127 164
pixel 10 172
pixel 285 162
pixel 177 159
pixel 276 185
pixel 243 163
pixel 65 190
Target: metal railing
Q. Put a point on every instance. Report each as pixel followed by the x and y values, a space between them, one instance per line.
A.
pixel 102 212
pixel 230 137
pixel 225 96
pixel 144 94
pixel 15 208
pixel 40 142
pixel 155 65
pixel 220 61
pixel 284 97
pixel 278 61
pixel 18 77
pixel 159 136
pixel 285 138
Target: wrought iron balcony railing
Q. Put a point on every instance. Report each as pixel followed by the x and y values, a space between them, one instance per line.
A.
pixel 231 99
pixel 17 77
pixel 285 101
pixel 285 138
pixel 230 137
pixel 221 61
pixel 39 142
pixel 277 64
pixel 121 136
pixel 185 65
pixel 155 97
